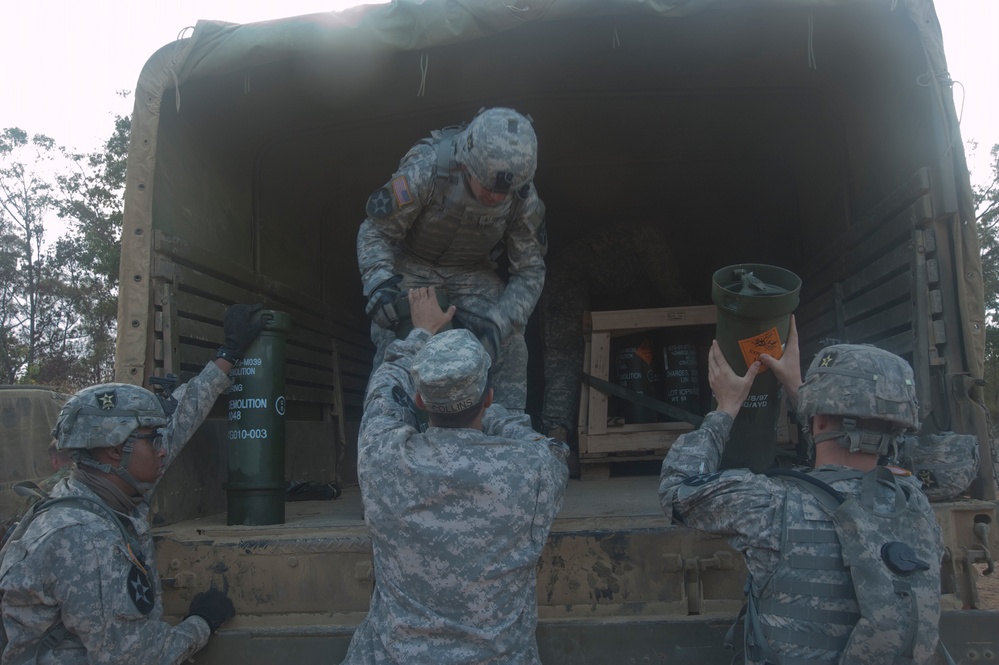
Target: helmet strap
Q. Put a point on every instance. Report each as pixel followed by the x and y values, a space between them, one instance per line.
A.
pixel 858 440
pixel 85 458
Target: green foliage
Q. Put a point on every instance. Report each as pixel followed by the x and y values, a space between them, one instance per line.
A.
pixel 58 300
pixel 987 205
pixel 26 197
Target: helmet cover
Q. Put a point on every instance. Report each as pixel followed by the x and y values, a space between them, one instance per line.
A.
pixel 860 381
pixel 103 416
pixel 500 149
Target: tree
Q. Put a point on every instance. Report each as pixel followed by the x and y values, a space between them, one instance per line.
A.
pixel 987 207
pixel 25 199
pixel 88 256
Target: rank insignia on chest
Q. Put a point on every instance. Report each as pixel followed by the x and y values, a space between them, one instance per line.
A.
pixel 400 190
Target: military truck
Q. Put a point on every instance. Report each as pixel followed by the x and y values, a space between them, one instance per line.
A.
pixel 816 135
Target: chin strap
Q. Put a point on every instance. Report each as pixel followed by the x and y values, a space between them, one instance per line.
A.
pixel 882 444
pixel 84 457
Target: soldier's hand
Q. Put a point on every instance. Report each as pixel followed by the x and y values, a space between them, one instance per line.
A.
pixel 241 328
pixel 788 368
pixel 214 606
pixel 426 312
pixel 730 389
pixel 489 336
pixel 380 305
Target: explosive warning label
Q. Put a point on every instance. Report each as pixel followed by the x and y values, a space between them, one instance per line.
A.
pixel 766 342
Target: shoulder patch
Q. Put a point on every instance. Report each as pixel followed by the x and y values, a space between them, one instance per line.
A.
pixel 139 588
pixel 379 203
pixel 703 479
pixel 400 190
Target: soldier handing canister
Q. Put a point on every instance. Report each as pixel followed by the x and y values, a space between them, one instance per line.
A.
pixel 78 580
pixel 457 201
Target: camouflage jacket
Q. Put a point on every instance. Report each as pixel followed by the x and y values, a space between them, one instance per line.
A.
pixel 458 519
pixel 757 513
pixel 456 235
pixel 73 565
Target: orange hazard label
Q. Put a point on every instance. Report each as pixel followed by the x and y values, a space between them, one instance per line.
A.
pixel 644 351
pixel 766 342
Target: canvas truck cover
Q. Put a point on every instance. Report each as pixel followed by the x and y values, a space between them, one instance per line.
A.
pixel 340 41
pixel 27 416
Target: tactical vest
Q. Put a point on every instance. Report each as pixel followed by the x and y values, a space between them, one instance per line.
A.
pixel 854 584
pixel 57 632
pixel 456 229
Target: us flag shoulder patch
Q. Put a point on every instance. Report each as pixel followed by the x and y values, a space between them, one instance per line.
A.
pixel 400 190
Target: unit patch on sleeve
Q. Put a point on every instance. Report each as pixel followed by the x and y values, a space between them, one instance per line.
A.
pixel 379 203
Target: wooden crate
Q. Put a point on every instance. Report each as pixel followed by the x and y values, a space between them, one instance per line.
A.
pixel 597 441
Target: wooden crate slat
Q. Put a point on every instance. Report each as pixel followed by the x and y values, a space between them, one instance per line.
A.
pixel 880 325
pixel 596 439
pixel 896 289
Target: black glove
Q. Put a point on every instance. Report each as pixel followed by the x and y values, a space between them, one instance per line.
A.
pixel 489 336
pixel 240 330
pixel 213 606
pixel 380 303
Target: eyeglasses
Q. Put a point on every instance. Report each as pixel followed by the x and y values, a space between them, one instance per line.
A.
pixel 155 439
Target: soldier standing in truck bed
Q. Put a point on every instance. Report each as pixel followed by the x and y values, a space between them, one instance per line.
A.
pixel 844 561
pixel 623 266
pixel 457 201
pixel 78 578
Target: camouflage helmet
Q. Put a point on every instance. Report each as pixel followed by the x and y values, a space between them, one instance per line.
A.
pixel 103 416
pixel 500 149
pixel 858 381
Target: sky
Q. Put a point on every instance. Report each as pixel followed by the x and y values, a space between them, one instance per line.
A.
pixel 63 61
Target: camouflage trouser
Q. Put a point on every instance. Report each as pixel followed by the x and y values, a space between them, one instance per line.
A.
pixel 562 304
pixel 473 290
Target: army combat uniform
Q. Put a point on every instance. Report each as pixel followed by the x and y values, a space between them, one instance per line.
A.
pixel 426 225
pixel 458 519
pixel 790 545
pixel 624 266
pixel 73 565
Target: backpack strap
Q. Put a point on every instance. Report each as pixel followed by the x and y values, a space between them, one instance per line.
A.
pixel 56 633
pixel 445 163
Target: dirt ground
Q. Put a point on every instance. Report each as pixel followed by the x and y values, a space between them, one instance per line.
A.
pixel 988 589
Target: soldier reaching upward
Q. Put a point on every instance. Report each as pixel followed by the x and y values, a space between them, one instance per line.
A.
pixel 844 561
pixel 458 514
pixel 78 579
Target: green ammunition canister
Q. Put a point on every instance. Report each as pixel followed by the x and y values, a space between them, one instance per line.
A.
pixel 256 403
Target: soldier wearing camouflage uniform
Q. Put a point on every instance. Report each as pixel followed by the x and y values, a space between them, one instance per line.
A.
pixel 458 200
pixel 78 580
pixel 825 586
pixel 459 513
pixel 624 266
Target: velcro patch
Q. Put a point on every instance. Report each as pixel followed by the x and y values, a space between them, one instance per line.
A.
pixel 379 203
pixel 703 479
pixel 400 190
pixel 140 590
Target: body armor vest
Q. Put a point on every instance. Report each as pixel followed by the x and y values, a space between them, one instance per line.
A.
pixel 455 229
pixel 860 583
pixel 807 609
